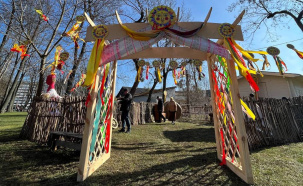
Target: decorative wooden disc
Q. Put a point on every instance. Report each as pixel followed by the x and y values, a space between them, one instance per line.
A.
pixel 161 17
pixel 141 63
pixel 183 64
pixel 274 51
pixel 173 64
pixel 197 63
pixel 100 32
pixel 290 46
pixel 226 30
pixel 147 64
pixel 80 19
pixel 156 64
pixel 64 56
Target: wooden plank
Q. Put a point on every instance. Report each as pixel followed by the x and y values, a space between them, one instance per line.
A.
pixel 87 134
pixel 103 158
pixel 240 125
pixel 68 144
pixel 113 105
pixel 169 52
pixel 68 134
pixel 210 30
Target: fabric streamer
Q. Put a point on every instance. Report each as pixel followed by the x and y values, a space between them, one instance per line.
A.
pixel 265 63
pixel 42 16
pixel 223 162
pixel 20 49
pixel 106 72
pixel 73 33
pixel 79 83
pixel 247 110
pixel 141 36
pixel 140 64
pixel 300 54
pixel 174 76
pixel 146 72
pixel 226 31
pixel 274 52
pixel 241 65
pixel 99 32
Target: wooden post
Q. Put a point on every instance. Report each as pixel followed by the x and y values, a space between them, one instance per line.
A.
pixel 241 131
pixel 215 117
pixel 113 106
pixel 87 134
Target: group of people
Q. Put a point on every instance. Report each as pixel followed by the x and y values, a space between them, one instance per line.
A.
pixel 126 101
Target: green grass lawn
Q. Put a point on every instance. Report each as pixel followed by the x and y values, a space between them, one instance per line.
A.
pixel 153 154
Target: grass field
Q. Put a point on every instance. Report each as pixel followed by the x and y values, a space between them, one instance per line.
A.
pixel 153 154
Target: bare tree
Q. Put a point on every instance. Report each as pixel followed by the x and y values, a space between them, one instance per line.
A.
pixel 269 13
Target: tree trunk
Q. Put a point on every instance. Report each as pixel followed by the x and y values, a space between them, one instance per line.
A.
pixel 11 103
pixel 5 64
pixel 10 78
pixel 136 83
pixel 5 36
pixel 151 90
pixel 41 76
pixel 13 87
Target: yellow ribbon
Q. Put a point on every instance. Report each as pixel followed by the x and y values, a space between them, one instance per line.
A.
pixel 246 53
pixel 249 112
pixel 159 75
pixel 93 63
pixel 139 74
pixel 142 36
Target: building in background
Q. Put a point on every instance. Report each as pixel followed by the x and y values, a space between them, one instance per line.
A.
pixel 24 95
pixel 274 85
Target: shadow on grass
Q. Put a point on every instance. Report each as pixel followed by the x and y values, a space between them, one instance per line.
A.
pixel 191 135
pixel 198 169
pixel 10 135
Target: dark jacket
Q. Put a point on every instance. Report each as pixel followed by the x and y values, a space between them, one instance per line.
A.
pixel 126 102
pixel 160 105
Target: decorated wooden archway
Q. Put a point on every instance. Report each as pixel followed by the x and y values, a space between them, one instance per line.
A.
pixel 135 40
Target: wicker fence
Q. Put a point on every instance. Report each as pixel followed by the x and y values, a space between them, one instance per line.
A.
pixel 277 121
pixel 44 116
pixel 68 115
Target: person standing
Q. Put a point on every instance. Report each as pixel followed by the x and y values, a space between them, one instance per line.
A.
pixel 172 109
pixel 125 107
pixel 160 109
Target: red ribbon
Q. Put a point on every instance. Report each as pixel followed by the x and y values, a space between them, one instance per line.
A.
pixel 102 85
pixel 223 162
pixel 300 55
pixel 147 70
pixel 108 127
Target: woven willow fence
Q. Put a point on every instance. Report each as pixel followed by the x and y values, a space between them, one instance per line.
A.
pixel 45 115
pixel 68 115
pixel 277 122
